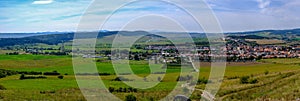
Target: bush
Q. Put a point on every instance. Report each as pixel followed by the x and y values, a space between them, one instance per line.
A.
pixel 121 79
pixel 159 73
pixel 233 77
pixel 14 53
pixel 253 81
pixel 22 77
pixel 51 73
pixel 47 92
pixel 30 73
pixel 124 73
pixel 111 89
pixel 2 87
pixel 132 89
pixel 159 79
pixel 130 98
pixel 104 74
pixel 151 99
pixel 244 79
pixel 5 73
pixel 120 89
pixel 60 77
pixel 266 72
pixel 2 75
pixel 202 81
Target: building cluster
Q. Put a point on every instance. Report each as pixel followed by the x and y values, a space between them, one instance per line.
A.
pixel 234 53
pixel 263 51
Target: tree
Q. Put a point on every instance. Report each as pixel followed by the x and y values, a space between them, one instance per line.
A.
pixel 253 81
pixel 159 79
pixel 266 72
pixel 60 77
pixel 244 79
pixel 136 57
pixel 111 89
pixel 22 77
pixel 130 98
pixel 2 75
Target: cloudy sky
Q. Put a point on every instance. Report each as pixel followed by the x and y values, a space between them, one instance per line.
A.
pixel 64 15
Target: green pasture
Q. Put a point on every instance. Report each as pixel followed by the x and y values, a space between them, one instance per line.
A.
pixel 63 64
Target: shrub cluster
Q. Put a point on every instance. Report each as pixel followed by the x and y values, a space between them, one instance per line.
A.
pixel 51 73
pixel 23 77
pixel 30 73
pixel 120 78
pixel 60 77
pixel 159 73
pixel 104 74
pixel 130 98
pixel 159 79
pixel 202 81
pixel 13 53
pixel 47 92
pixel 244 79
pixel 253 81
pixel 4 73
pixel 124 90
pixel 266 72
pixel 247 80
pixel 56 53
pixel 233 77
pixel 124 73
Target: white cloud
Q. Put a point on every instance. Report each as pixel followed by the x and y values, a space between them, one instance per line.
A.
pixel 286 11
pixel 234 15
pixel 263 3
pixel 41 2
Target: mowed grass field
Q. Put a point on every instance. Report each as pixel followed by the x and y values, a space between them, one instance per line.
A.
pixel 275 84
pixel 266 41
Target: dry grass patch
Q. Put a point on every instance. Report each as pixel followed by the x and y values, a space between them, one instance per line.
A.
pixel 266 41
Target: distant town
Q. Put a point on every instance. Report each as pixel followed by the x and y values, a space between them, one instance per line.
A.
pixel 238 48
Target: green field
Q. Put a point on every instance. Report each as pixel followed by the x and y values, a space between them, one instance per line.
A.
pixel 277 79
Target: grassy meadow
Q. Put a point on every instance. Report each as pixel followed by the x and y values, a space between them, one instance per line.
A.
pixel 277 79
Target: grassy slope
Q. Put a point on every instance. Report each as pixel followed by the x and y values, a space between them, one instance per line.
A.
pixel 63 65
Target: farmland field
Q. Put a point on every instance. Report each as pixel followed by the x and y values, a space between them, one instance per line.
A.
pixel 273 75
pixel 149 50
pixel 267 41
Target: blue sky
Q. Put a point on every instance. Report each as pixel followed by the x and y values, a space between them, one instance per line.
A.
pixel 64 15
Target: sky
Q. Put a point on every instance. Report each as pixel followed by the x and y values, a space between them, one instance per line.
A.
pixel 65 15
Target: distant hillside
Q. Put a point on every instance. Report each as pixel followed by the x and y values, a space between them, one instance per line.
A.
pixel 284 32
pixel 23 35
pixel 53 38
pixel 248 37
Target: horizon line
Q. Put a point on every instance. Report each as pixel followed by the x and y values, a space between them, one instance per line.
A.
pixel 146 31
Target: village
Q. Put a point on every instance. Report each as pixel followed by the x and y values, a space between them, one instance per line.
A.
pixel 231 52
pixel 235 50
